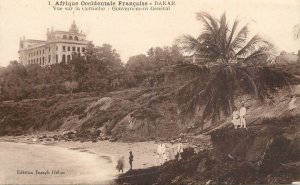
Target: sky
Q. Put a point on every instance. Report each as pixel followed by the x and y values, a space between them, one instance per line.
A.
pixel 132 33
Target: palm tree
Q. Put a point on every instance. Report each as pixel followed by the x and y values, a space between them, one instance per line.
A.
pixel 238 65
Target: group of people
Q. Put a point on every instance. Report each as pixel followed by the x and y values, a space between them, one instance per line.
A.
pixel 164 155
pixel 239 117
pixel 120 165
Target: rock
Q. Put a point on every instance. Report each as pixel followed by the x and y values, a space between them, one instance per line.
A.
pixel 113 139
pixel 275 153
pixel 209 182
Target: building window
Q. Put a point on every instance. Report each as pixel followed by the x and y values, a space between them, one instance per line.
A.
pixel 68 58
pixel 74 49
pixel 78 49
pixel 64 37
pixel 56 58
pixel 83 49
pixel 49 59
pixel 75 38
pixel 63 58
pixel 69 48
pixel 64 48
pixel 56 48
pixel 70 37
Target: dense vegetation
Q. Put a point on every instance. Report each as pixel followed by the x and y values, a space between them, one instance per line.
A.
pixel 101 70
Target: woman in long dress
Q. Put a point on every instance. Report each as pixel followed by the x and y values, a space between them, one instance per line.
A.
pixel 120 165
pixel 235 118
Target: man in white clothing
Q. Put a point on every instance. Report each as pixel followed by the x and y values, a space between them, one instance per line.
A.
pixel 161 153
pixel 179 150
pixel 243 111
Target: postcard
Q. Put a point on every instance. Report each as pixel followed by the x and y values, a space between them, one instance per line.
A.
pixel 149 92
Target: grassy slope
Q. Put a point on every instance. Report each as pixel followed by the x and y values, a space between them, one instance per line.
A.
pixel 133 113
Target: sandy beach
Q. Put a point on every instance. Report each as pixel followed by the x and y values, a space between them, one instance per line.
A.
pixel 144 152
pixel 40 164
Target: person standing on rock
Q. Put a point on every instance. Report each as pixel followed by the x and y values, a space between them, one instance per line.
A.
pixel 236 118
pixel 130 159
pixel 242 115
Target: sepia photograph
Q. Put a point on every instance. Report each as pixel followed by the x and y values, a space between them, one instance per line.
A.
pixel 149 92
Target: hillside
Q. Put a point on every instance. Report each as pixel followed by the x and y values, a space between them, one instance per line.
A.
pixel 138 114
pixel 135 114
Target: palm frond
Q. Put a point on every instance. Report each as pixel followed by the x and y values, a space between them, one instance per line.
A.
pixel 240 38
pixel 210 23
pixel 232 32
pixel 189 44
pixel 250 46
pixel 254 44
pixel 259 56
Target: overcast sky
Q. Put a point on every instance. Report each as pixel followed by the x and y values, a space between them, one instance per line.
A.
pixel 132 33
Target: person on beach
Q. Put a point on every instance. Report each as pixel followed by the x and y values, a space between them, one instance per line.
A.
pixel 165 154
pixel 179 150
pixel 292 105
pixel 235 118
pixel 120 165
pixel 242 114
pixel 158 153
pixel 130 159
pixel 161 153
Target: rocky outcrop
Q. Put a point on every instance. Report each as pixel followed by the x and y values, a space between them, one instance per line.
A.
pixel 265 153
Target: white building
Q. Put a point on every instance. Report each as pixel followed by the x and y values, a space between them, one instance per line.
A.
pixel 60 46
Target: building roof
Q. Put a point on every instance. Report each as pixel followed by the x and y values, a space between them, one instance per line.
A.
pixel 34 40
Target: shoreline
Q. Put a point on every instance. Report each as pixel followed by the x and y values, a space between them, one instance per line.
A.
pixel 144 152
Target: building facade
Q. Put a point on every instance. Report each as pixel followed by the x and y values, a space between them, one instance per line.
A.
pixel 60 46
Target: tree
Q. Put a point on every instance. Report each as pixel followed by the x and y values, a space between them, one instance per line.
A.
pixel 238 65
pixel 70 86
